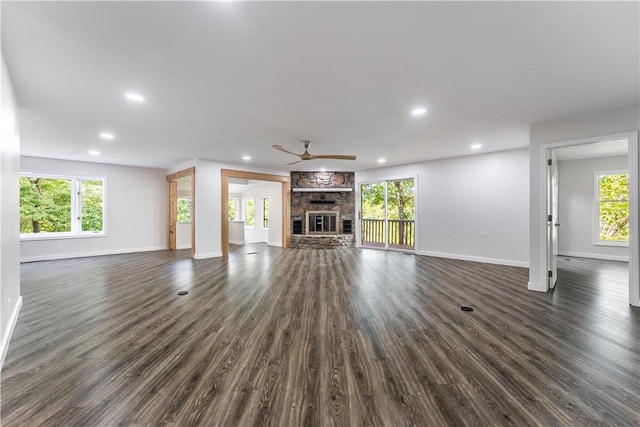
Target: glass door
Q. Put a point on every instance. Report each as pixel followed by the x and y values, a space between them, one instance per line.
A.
pixel 387 214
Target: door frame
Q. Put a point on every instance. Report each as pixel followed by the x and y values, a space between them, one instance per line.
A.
pixel 386 180
pixel 634 243
pixel 553 222
pixel 285 182
pixel 172 208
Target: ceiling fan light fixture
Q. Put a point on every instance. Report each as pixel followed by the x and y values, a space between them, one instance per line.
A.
pixel 308 156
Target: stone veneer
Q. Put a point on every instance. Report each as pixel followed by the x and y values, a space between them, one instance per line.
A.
pixel 343 202
pixel 327 241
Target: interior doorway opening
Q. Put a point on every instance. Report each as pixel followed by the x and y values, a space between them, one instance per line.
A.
pixel 285 186
pixel 590 205
pixel 181 185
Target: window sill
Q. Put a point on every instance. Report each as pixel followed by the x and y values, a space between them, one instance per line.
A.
pixel 615 244
pixel 59 236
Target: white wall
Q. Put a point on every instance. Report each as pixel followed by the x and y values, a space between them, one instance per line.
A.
pixel 10 299
pixel 594 127
pixel 272 235
pixel 183 235
pixel 136 216
pixel 458 198
pixel 275 214
pixel 576 202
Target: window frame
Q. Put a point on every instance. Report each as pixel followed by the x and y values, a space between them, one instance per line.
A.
pixel 244 212
pixel 76 208
pixel 596 209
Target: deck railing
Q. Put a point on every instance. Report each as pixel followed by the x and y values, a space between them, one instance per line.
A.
pixel 401 232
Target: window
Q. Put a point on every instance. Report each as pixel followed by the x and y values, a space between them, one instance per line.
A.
pixel 249 213
pixel 61 206
pixel 265 213
pixel 612 207
pixel 184 210
pixel 231 208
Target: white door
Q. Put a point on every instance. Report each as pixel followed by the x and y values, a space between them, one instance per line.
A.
pixel 552 219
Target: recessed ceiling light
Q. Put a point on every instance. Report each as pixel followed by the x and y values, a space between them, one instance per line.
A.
pixel 94 152
pixel 382 160
pixel 246 157
pixel 107 135
pixel 476 146
pixel 134 97
pixel 418 111
pixel 323 169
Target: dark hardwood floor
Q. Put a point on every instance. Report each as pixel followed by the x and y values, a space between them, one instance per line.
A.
pixel 317 338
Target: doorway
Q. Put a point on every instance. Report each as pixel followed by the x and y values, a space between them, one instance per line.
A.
pixel 590 213
pixel 387 214
pixel 172 206
pixel 285 183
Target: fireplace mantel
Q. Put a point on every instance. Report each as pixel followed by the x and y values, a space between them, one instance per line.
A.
pixel 322 190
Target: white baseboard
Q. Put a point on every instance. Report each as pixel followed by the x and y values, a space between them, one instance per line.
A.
pixel 208 255
pixel 595 256
pixel 51 257
pixel 277 244
pixel 185 246
pixel 6 337
pixel 510 262
pixel 236 242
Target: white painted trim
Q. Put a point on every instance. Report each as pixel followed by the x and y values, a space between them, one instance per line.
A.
pixel 596 207
pixel 90 254
pixel 279 245
pixel 185 246
pixel 595 256
pixel 6 337
pixel 634 218
pixel 208 255
pixel 236 242
pixel 509 262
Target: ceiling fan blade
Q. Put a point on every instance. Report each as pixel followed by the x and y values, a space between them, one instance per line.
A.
pixel 332 156
pixel 293 163
pixel 279 147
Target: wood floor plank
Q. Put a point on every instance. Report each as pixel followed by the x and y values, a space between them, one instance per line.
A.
pixel 312 337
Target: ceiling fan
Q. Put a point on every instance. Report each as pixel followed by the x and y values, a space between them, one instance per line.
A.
pixel 307 156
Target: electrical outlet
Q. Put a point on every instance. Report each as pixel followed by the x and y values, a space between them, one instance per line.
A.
pixel 483 234
pixel 206 244
pixel 440 243
pixel 59 245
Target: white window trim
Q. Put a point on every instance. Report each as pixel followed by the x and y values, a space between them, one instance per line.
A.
pixel 75 233
pixel 596 210
pixel 244 212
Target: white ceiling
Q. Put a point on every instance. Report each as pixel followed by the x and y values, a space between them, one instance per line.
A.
pixel 227 79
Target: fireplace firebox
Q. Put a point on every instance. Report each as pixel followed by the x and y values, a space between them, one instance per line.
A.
pixel 322 222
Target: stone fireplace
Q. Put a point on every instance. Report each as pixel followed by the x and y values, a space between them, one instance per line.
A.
pixel 322 209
